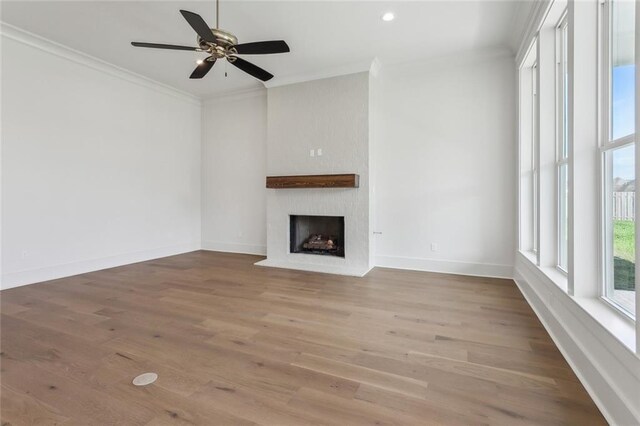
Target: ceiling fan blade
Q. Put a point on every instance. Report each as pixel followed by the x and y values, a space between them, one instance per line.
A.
pixel 199 25
pixel 202 69
pixel 164 46
pixel 249 68
pixel 262 47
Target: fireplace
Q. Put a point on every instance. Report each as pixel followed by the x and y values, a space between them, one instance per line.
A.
pixel 321 235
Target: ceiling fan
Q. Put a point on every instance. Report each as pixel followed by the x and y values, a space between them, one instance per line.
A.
pixel 221 44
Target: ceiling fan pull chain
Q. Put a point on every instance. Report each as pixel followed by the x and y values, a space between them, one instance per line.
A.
pixel 221 44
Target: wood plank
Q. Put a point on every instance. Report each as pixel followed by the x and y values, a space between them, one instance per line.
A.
pixel 242 344
pixel 388 381
pixel 18 408
pixel 314 181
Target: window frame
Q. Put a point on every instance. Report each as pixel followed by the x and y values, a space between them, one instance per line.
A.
pixel 527 152
pixel 606 147
pixel 562 117
pixel 535 169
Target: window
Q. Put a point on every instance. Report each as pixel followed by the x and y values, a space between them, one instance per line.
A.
pixel 618 154
pixel 534 154
pixel 562 166
pixel 527 76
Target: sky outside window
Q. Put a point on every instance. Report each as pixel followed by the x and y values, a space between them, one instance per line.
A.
pixel 623 82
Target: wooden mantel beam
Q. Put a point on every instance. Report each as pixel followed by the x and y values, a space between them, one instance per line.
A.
pixel 313 181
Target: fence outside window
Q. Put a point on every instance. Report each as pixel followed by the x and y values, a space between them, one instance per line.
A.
pixel 624 205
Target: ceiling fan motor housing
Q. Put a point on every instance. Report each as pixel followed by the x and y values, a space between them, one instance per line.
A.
pixel 224 40
pixel 220 44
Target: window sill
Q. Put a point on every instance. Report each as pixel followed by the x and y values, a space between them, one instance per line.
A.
pixel 619 325
pixel 552 273
pixel 615 323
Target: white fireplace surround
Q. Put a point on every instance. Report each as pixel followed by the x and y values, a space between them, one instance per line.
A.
pixel 303 117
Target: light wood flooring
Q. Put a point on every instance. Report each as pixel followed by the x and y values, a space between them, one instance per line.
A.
pixel 235 343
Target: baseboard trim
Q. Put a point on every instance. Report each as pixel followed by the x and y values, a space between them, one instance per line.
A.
pixel 445 266
pixel 32 276
pixel 414 264
pixel 310 267
pixel 604 366
pixel 235 248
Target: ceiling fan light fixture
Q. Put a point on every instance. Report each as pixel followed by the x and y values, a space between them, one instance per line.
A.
pixel 388 17
pixel 219 44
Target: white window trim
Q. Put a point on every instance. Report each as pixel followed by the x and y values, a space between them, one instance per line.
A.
pixel 526 152
pixel 535 169
pixel 562 158
pixel 607 145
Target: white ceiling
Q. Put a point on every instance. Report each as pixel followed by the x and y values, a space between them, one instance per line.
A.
pixel 325 37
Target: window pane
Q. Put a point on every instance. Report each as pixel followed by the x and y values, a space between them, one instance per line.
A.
pixel 534 146
pixel 563 215
pixel 565 95
pixel 535 211
pixel 621 256
pixel 623 68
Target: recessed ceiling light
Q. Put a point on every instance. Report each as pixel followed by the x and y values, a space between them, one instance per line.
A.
pixel 199 61
pixel 388 17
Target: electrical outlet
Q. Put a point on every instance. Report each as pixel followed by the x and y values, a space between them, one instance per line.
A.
pixel 312 153
pixel 434 247
pixel 319 151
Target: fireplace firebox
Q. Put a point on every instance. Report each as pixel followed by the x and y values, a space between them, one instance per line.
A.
pixel 322 235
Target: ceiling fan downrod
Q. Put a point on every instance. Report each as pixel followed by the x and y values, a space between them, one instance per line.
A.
pixel 220 44
pixel 217 14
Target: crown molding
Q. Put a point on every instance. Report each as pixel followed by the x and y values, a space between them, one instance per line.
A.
pixel 352 68
pixel 236 95
pixel 534 21
pixel 460 58
pixel 521 19
pixel 33 40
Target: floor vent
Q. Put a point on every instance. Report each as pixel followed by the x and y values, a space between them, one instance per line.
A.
pixel 145 379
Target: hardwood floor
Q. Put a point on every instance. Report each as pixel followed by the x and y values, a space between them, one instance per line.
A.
pixel 235 343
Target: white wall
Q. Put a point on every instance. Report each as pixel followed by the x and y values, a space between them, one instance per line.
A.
pixel 99 167
pixel 332 115
pixel 444 167
pixel 442 147
pixel 234 166
pixel 375 83
pixel 130 151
